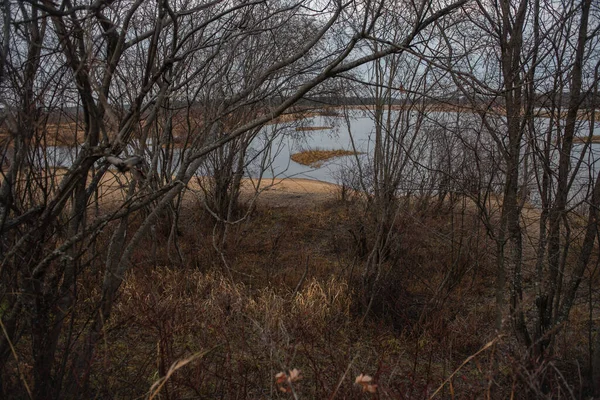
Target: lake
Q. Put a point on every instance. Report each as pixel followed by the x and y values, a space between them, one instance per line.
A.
pixel 439 132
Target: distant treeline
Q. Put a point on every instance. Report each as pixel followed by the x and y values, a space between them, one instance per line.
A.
pixel 544 100
pixel 588 100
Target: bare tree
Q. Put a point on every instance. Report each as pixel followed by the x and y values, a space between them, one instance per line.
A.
pixel 120 71
pixel 531 101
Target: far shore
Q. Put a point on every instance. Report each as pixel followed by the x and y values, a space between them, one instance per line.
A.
pixel 68 134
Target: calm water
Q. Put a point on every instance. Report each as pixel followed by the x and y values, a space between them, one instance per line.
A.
pixel 273 150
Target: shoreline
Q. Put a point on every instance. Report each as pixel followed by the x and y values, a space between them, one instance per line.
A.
pixel 64 134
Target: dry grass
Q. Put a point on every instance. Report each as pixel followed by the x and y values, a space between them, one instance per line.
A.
pixel 313 128
pixel 265 322
pixel 167 314
pixel 581 139
pixel 582 115
pixel 295 302
pixel 316 157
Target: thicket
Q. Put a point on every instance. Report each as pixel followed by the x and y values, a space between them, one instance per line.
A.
pixel 496 190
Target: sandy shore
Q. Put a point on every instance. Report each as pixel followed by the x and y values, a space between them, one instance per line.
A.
pixel 294 192
pixel 288 192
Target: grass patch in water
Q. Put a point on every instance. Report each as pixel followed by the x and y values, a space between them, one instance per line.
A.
pixel 313 128
pixel 315 158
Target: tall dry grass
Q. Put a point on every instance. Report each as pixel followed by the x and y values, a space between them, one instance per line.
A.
pixel 182 328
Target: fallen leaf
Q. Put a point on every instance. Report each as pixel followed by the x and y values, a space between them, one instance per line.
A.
pixel 295 375
pixel 363 379
pixel 365 382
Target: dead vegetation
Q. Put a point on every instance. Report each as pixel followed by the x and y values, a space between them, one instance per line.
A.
pixel 313 128
pixel 295 304
pixel 315 158
pixel 289 301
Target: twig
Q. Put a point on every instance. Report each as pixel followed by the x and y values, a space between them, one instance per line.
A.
pixel 16 359
pixel 158 385
pixel 301 281
pixel 342 378
pixel 487 346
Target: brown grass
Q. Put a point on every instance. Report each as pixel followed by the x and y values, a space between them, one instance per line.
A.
pixel 316 157
pixel 294 304
pixel 313 128
pixel 582 139
pixel 295 301
pixel 582 115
